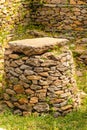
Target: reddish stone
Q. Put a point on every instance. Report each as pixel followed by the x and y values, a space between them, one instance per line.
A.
pixel 33 100
pixel 23 100
pixel 9 104
pixel 66 107
pixel 29 91
pixel 18 89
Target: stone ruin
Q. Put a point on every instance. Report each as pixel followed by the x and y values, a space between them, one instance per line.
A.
pixel 40 77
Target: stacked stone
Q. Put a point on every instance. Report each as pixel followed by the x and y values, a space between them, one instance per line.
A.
pixel 40 75
pixel 66 1
pixel 56 17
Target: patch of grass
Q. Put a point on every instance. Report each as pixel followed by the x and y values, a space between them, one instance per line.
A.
pixel 3 36
pixel 82 81
pixel 1 77
pixel 76 120
pixel 56 50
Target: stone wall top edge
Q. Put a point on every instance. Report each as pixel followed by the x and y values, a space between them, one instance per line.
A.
pixel 36 45
pixel 63 5
pixel 37 42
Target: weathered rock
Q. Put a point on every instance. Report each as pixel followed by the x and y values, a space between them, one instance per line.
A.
pixel 56 114
pixel 18 112
pixel 14 56
pixel 6 96
pixel 33 77
pixel 59 92
pixel 21 107
pixel 26 113
pixel 48 63
pixel 33 62
pixel 19 61
pixel 56 100
pixel 18 89
pixel 35 87
pixel 41 107
pixel 17 70
pixel 66 107
pixel 35 46
pixel 43 83
pixel 23 100
pixel 33 100
pixel 28 72
pixel 24 79
pixel 38 69
pixel 44 74
pixel 9 104
pixel 25 67
pixel 29 92
pixel 10 92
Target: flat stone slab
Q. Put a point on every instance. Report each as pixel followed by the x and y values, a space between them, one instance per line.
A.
pixel 36 46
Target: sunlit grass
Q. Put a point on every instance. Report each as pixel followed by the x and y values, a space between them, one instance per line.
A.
pixel 76 120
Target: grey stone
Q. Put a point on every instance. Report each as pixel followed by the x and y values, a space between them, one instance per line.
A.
pixel 63 103
pixel 6 96
pixel 25 67
pixel 24 79
pixel 13 80
pixel 19 62
pixel 53 88
pixel 43 83
pixel 64 95
pixel 14 56
pixel 33 62
pixel 56 114
pixel 41 107
pixel 13 64
pixel 28 72
pixel 35 87
pixel 10 92
pixel 18 112
pixel 13 73
pixel 49 63
pixel 57 105
pixel 18 71
pixel 38 69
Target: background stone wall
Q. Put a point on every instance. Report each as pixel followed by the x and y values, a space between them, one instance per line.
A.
pixel 56 17
pixel 66 1
pixel 63 15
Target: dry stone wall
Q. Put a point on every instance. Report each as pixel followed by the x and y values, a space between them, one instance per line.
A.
pixel 40 77
pixel 61 17
pixel 66 1
pixel 54 15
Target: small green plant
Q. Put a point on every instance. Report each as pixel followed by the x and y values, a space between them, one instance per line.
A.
pixel 70 101
pixel 56 50
pixel 48 100
pixel 1 77
pixel 19 96
pixel 43 58
pixel 69 85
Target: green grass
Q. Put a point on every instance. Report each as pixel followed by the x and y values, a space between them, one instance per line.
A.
pixel 76 120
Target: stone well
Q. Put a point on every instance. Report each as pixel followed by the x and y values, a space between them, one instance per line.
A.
pixel 40 77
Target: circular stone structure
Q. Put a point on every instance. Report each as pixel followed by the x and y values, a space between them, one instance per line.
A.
pixel 40 77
